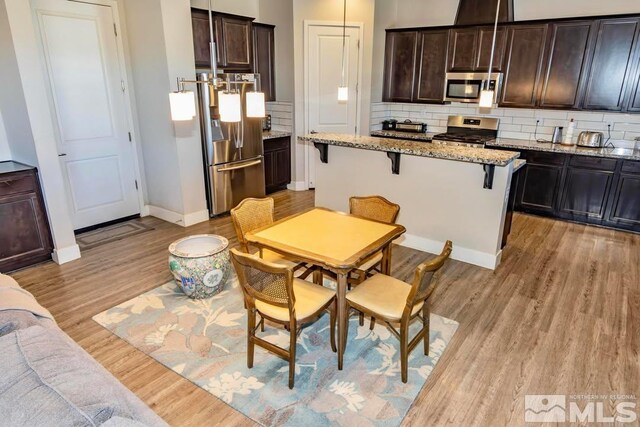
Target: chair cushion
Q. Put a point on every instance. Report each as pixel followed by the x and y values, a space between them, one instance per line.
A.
pixel 309 299
pixel 383 295
pixel 372 262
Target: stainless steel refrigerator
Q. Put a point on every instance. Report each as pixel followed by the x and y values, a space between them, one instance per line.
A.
pixel 233 152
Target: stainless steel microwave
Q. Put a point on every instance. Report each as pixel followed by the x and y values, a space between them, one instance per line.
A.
pixel 466 87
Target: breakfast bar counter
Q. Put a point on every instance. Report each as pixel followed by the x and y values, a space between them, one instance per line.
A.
pixel 445 192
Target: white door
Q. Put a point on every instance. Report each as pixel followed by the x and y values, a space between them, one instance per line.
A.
pixel 324 59
pixel 80 49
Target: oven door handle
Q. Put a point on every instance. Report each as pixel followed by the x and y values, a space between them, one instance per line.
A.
pixel 237 166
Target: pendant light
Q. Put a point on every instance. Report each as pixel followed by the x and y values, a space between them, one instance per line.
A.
pixel 183 105
pixel 229 107
pixel 255 101
pixel 487 94
pixel 343 89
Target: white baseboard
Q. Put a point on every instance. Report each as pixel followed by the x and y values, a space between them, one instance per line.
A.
pixel 144 211
pixel 471 256
pixel 196 217
pixel 177 218
pixel 63 255
pixel 298 186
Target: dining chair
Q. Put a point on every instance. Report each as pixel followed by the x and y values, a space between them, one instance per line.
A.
pixel 271 290
pixel 379 209
pixel 251 214
pixel 394 301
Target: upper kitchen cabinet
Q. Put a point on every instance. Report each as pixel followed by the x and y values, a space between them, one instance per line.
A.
pixel 483 56
pixel 523 65
pixel 400 65
pixel 634 99
pixel 234 40
pixel 614 60
pixel 264 58
pixel 569 50
pixel 462 49
pixel 470 49
pixel 432 64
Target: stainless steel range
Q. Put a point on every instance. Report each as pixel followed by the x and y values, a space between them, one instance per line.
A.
pixel 468 131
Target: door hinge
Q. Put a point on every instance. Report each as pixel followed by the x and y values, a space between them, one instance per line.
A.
pixel 358 43
pixel 129 136
pixel 136 181
pixel 115 30
pixel 356 130
pixel 122 85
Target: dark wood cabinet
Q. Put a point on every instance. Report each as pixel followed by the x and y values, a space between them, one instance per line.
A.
pixel 613 61
pixel 634 98
pixel 586 189
pixel 462 49
pixel 264 58
pixel 569 50
pixel 277 163
pixel 587 184
pixel 25 238
pixel 483 56
pixel 237 43
pixel 625 206
pixel 233 37
pixel 400 66
pixel 523 64
pixel 432 63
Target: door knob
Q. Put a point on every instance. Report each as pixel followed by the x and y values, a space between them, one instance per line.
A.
pixel 62 155
pixel 313 131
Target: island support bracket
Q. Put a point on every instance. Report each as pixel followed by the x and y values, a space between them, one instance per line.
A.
pixel 324 151
pixel 488 176
pixel 395 162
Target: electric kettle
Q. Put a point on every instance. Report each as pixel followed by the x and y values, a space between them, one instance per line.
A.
pixel 590 139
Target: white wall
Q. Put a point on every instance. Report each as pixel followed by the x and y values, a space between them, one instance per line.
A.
pixel 161 48
pixel 280 14
pixel 237 7
pixel 330 10
pixel 29 120
pixel 5 150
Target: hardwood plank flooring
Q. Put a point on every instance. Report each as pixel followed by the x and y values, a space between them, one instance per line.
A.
pixel 561 315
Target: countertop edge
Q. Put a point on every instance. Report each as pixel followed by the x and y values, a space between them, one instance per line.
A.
pixel 379 145
pixel 524 144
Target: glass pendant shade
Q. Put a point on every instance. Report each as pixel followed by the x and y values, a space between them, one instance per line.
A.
pixel 229 107
pixel 486 99
pixel 343 93
pixel 255 104
pixel 183 105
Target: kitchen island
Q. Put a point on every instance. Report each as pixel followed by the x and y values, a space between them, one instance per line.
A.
pixel 445 192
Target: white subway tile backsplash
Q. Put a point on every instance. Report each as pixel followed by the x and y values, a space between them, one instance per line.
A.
pixel 281 115
pixel 514 122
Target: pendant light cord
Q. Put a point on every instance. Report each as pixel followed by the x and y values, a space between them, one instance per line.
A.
pixel 493 44
pixel 344 32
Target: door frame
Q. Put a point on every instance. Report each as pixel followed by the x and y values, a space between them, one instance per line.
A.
pixel 307 25
pixel 128 92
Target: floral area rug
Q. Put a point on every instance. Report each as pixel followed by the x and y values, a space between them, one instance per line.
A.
pixel 205 341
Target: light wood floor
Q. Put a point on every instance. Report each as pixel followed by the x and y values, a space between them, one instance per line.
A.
pixel 561 315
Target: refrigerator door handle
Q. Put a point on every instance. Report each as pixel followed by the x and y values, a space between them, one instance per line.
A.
pixel 242 165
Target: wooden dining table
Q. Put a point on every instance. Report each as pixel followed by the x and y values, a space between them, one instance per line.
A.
pixel 335 241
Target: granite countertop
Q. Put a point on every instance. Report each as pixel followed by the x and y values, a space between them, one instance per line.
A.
pixel 271 134
pixel 415 148
pixel 11 166
pixel 518 164
pixel 403 135
pixel 523 144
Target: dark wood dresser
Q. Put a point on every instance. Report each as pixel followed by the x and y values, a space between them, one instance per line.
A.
pixel 25 237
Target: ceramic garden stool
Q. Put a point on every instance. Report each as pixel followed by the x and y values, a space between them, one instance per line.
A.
pixel 200 264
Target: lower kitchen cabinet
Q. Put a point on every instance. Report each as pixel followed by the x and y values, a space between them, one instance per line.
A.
pixel 25 237
pixel 277 163
pixel 625 203
pixel 584 189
